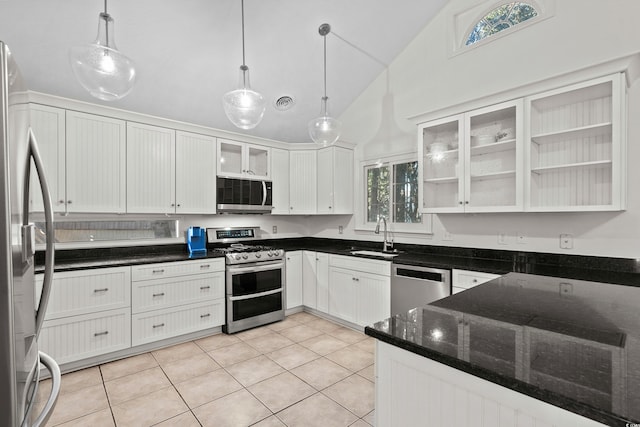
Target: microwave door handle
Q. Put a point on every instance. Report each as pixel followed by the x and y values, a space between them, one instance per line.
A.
pixel 264 193
pixel 49 231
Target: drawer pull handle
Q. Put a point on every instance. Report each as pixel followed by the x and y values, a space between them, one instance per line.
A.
pixel 97 334
pixel 95 291
pixel 202 316
pixel 161 294
pixel 159 325
pixel 202 288
pixel 158 271
pixel 203 266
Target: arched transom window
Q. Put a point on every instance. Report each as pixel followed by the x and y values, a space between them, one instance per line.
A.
pixel 501 18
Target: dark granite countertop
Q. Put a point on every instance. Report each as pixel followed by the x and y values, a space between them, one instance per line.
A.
pixel 572 343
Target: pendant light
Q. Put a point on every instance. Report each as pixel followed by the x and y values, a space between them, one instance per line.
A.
pixel 324 130
pixel 244 107
pixel 99 67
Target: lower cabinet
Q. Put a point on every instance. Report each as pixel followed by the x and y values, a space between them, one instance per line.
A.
pixel 463 279
pixel 176 298
pixel 359 289
pixel 293 279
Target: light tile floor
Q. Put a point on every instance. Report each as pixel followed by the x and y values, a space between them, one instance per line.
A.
pixel 303 371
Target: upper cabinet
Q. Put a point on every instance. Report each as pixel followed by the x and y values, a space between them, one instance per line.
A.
pixel 96 159
pixel 561 150
pixel 577 147
pixel 472 162
pixel 242 160
pixel 151 171
pixel 302 182
pixel 280 180
pixel 195 173
pixel 335 181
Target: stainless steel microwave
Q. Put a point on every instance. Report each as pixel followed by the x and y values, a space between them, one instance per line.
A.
pixel 236 195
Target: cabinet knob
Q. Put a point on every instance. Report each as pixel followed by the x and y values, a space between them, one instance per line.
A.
pixel 61 202
pixel 291 207
pixel 178 205
pixel 460 202
pixel 69 202
pixel 475 280
pixel 466 202
pixel 173 205
pixel 329 207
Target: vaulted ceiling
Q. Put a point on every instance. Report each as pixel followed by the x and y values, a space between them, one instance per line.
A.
pixel 188 52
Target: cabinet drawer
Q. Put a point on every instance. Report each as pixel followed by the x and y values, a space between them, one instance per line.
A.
pixel 468 279
pixel 360 264
pixel 81 292
pixel 173 269
pixel 81 337
pixel 163 293
pixel 160 324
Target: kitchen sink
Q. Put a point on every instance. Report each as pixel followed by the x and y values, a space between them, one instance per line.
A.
pixel 379 254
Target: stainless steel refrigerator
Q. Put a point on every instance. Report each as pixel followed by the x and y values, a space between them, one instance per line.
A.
pixel 21 311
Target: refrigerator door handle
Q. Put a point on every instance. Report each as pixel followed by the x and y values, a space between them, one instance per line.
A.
pixel 56 380
pixel 49 231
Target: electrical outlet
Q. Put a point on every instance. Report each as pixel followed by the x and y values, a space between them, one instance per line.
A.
pixel 275 229
pixel 340 229
pixel 521 238
pixel 502 238
pixel 566 289
pixel 447 236
pixel 566 241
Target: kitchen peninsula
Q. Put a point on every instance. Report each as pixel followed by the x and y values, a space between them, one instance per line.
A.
pixel 518 350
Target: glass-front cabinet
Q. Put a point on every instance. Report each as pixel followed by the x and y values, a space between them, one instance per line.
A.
pixel 473 162
pixel 242 160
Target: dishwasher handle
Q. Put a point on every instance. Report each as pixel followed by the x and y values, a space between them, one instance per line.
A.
pixel 421 273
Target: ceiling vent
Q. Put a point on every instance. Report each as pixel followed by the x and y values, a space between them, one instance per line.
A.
pixel 284 103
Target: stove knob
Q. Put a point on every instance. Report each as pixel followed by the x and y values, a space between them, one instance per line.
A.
pixel 245 256
pixel 237 257
pixel 258 255
pixel 276 252
pixel 270 253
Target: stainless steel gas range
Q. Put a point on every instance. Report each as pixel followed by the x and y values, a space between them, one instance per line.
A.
pixel 255 278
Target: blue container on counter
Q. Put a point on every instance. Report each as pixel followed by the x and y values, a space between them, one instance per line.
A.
pixel 196 241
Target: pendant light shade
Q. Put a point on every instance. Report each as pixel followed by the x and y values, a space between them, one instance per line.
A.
pixel 99 67
pixel 244 107
pixel 324 130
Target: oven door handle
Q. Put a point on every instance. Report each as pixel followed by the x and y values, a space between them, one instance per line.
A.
pixel 256 268
pixel 261 294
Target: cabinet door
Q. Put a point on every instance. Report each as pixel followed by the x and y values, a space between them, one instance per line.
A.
pixel 280 180
pixel 150 169
pixel 230 158
pixel 309 290
pixel 576 146
pixel 326 180
pixel 302 179
pixel 373 298
pixel 195 173
pixel 293 279
pixel 96 159
pixel 48 126
pixel 493 160
pixel 441 154
pixel 342 181
pixel 464 279
pixel 257 161
pixel 322 282
pixel 342 294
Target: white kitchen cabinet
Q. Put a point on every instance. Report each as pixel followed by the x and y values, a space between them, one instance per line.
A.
pixel 195 173
pixel 473 162
pixel 464 279
pixel 359 289
pixel 171 299
pixel 309 283
pixel 322 282
pixel 48 124
pixel 96 159
pixel 151 169
pixel 576 145
pixel 293 279
pixel 335 181
pixel 302 179
pixel 243 160
pixel 280 181
pixel 89 313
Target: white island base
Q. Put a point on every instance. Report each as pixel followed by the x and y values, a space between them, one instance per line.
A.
pixel 412 390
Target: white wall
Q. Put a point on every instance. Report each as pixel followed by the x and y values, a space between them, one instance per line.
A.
pixel 426 77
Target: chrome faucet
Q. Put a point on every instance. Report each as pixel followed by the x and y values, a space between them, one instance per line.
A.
pixel 386 245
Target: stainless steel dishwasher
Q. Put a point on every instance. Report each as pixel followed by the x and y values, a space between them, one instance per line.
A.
pixel 413 286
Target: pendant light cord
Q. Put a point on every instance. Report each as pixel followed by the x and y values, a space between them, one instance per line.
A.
pixel 325 64
pixel 105 16
pixel 242 6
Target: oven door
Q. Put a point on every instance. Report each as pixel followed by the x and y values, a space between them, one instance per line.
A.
pixel 255 295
